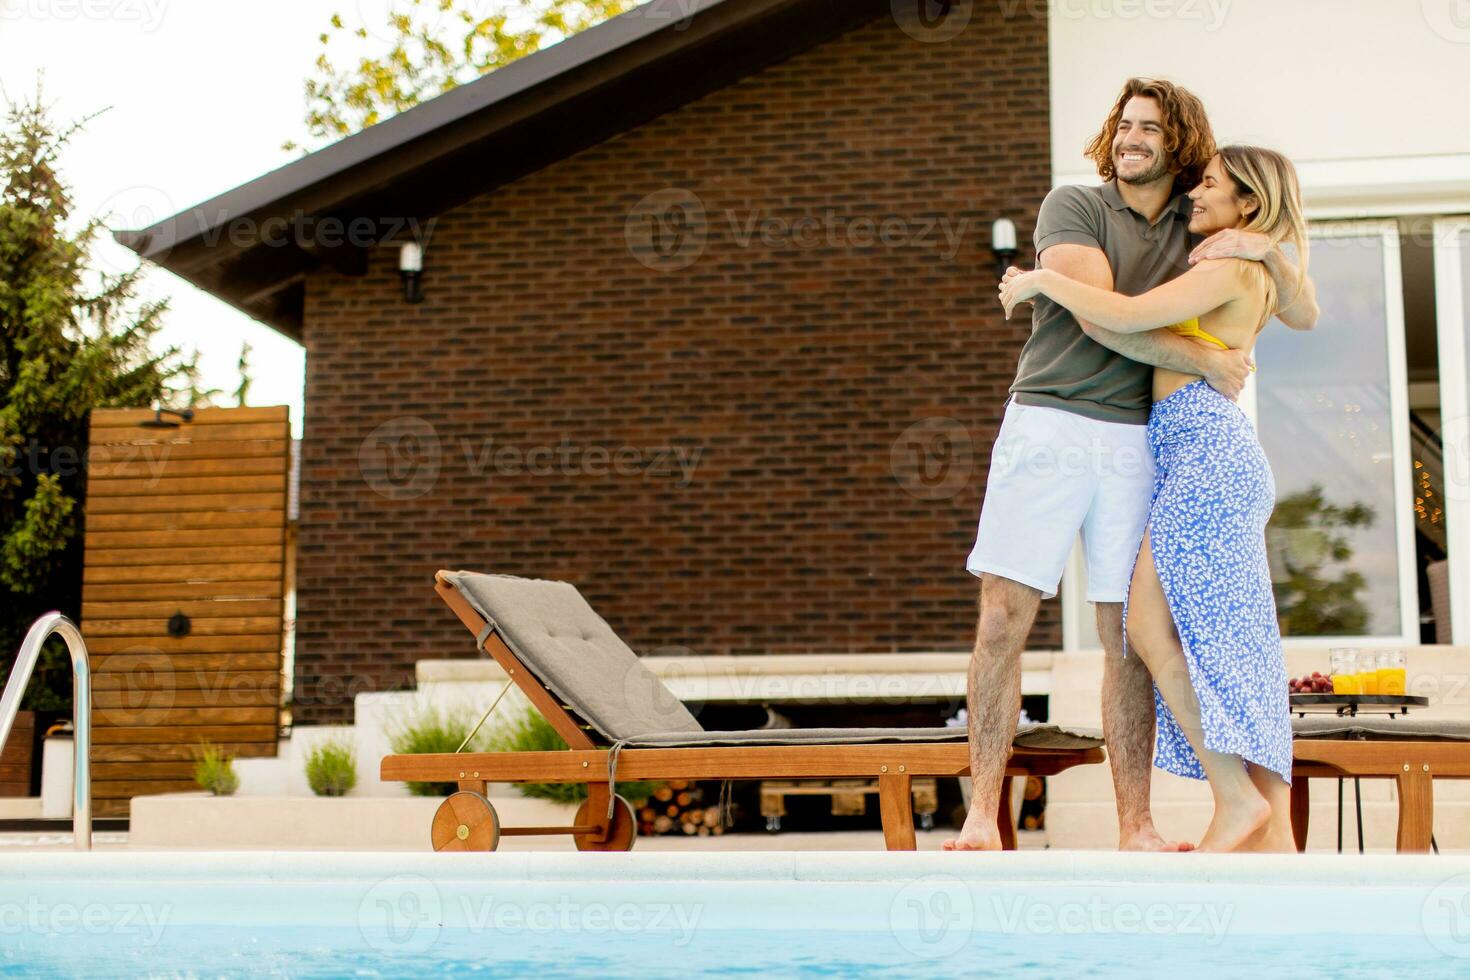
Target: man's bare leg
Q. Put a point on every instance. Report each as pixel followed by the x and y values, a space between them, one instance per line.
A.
pixel 1128 727
pixel 1007 610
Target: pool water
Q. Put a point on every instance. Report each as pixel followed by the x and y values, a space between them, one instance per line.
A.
pixel 838 914
pixel 337 952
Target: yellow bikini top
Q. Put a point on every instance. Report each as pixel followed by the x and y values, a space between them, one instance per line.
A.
pixel 1190 328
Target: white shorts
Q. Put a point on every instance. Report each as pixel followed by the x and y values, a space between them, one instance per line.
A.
pixel 1053 473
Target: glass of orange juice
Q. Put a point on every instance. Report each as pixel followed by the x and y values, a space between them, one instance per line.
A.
pixel 1391 672
pixel 1344 671
pixel 1368 672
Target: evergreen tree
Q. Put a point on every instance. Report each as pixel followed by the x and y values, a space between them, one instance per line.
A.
pixel 70 341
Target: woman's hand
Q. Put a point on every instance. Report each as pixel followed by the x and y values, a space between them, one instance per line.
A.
pixel 1020 287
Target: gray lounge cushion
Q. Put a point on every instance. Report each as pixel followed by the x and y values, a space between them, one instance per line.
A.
pixel 572 650
pixel 1381 729
pixel 1032 736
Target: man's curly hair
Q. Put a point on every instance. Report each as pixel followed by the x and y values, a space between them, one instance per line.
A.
pixel 1188 138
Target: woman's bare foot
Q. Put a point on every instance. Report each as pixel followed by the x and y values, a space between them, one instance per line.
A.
pixel 1235 825
pixel 1274 837
pixel 1273 843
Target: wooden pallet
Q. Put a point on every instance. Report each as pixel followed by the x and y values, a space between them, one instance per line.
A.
pixel 849 797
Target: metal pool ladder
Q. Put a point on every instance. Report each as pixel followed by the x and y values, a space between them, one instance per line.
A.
pixel 20 676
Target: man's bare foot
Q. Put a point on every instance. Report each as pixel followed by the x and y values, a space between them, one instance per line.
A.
pixel 979 833
pixel 1148 839
pixel 1233 828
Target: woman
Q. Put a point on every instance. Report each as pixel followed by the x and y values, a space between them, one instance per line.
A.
pixel 1200 610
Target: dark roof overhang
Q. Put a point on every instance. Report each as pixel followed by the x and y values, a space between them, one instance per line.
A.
pixel 254 246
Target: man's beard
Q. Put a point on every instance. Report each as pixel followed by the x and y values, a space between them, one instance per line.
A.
pixel 1157 171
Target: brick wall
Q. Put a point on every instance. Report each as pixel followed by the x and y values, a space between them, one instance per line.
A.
pixel 796 365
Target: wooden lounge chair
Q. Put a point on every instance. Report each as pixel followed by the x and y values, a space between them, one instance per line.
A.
pixel 1413 752
pixel 621 722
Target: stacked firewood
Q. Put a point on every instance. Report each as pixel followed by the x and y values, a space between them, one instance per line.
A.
pixel 679 807
pixel 1033 804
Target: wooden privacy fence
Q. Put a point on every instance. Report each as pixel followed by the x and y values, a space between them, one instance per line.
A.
pixel 182 592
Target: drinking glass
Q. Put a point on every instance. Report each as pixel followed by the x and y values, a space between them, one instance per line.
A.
pixel 1391 672
pixel 1344 672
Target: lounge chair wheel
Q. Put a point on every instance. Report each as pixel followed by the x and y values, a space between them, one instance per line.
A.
pixel 465 821
pixel 624 830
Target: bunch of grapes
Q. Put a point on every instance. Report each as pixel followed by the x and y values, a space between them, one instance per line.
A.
pixel 1313 683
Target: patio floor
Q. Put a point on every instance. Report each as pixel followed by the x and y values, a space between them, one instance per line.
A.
pixel 855 840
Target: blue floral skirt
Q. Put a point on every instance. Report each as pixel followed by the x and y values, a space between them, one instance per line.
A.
pixel 1213 493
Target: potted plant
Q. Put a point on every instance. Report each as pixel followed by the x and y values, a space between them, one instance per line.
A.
pixel 432 731
pixel 533 733
pixel 214 771
pixel 331 769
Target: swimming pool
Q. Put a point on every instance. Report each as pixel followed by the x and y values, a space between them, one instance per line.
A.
pixel 599 915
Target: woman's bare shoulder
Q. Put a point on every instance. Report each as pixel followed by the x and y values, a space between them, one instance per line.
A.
pixel 1243 269
pixel 1251 280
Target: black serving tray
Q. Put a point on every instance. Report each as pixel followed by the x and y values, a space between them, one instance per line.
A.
pixel 1351 705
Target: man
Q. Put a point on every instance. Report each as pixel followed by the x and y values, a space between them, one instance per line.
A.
pixel 1072 453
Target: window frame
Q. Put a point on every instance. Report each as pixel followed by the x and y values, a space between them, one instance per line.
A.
pixel 1452 313
pixel 1387 232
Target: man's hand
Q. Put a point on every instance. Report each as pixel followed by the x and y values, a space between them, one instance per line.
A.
pixel 1228 372
pixel 1232 244
pixel 1293 288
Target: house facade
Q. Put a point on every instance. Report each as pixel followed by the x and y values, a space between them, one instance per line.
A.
pixel 706 320
pixel 733 369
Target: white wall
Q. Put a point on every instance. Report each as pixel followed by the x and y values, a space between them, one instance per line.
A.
pixel 1367 96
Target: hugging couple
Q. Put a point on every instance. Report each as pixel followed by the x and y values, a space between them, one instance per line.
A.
pixel 1150 292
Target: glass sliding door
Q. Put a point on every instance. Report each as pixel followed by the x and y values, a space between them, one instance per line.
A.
pixel 1452 279
pixel 1331 409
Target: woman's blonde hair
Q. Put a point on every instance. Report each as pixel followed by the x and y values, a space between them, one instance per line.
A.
pixel 1271 179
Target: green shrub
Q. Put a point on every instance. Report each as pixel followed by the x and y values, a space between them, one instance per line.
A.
pixel 533 733
pixel 331 769
pixel 433 731
pixel 215 771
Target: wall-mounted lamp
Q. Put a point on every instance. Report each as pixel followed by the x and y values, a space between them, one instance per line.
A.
pixel 159 422
pixel 1003 244
pixel 411 267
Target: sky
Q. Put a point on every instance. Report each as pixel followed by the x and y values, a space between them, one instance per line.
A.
pixel 199 96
